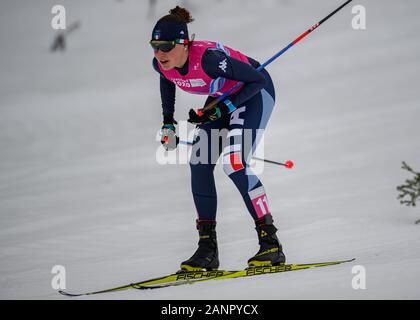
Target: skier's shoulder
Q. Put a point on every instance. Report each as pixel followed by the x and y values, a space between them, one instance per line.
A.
pixel 212 57
pixel 215 62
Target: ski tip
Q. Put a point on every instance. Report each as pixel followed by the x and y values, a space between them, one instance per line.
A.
pixel 342 261
pixel 345 261
pixel 69 294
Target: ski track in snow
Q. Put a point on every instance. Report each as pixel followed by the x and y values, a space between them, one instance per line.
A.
pixel 80 187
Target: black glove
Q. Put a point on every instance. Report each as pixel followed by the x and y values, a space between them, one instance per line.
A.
pixel 217 112
pixel 169 139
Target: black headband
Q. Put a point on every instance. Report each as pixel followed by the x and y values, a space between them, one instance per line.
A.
pixel 170 30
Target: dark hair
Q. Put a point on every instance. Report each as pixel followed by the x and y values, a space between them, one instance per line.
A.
pixel 178 14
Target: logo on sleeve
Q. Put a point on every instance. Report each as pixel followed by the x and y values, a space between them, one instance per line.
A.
pixel 223 65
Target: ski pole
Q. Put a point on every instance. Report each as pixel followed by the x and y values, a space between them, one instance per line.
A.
pixel 288 164
pixel 278 54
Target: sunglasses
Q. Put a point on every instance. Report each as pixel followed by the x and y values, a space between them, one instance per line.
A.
pixel 166 46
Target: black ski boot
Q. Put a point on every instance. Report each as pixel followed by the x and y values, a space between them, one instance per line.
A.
pixel 271 251
pixel 207 256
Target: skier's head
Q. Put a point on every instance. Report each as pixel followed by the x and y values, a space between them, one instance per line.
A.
pixel 170 38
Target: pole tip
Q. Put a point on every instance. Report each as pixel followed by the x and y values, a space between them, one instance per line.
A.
pixel 289 164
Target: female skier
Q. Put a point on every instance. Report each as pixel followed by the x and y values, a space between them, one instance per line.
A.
pixel 210 68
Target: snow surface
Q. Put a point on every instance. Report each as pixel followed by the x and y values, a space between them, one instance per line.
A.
pixel 80 185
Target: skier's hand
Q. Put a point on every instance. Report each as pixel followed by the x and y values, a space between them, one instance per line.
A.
pixel 169 139
pixel 217 112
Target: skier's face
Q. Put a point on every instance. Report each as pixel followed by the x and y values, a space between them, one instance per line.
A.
pixel 174 58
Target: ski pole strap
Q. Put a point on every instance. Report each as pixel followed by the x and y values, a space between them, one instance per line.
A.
pixel 278 54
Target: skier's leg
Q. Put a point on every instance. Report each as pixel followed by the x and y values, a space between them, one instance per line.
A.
pixel 250 119
pixel 202 162
pixel 246 127
pixel 204 154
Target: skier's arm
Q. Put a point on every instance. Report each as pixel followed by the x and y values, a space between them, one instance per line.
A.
pixel 217 64
pixel 167 94
pixel 169 139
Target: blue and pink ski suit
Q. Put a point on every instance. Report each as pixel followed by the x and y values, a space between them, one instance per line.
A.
pixel 212 69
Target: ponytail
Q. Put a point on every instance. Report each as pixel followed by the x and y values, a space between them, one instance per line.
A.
pixel 181 14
